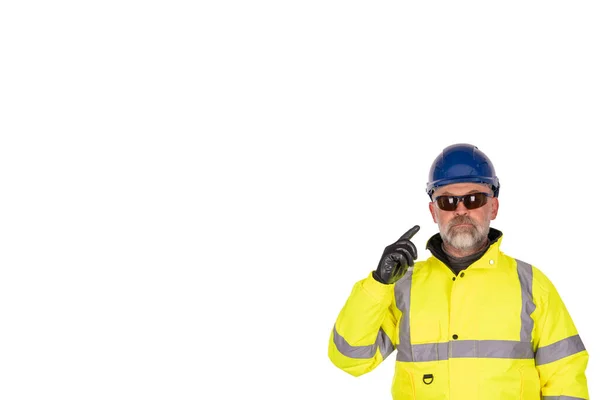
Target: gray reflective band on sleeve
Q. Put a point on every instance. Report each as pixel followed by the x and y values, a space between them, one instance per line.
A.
pixel 382 341
pixel 562 398
pixel 468 349
pixel 386 347
pixel 402 293
pixel 525 272
pixel 561 349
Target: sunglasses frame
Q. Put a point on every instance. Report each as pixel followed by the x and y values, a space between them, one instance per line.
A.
pixel 460 199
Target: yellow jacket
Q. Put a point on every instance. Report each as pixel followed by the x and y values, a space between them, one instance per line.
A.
pixel 498 330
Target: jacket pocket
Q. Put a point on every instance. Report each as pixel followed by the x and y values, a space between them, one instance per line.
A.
pixel 422 380
pixel 519 381
pixel 530 382
pixel 498 384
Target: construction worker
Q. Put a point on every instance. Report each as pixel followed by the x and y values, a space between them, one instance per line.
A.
pixel 470 322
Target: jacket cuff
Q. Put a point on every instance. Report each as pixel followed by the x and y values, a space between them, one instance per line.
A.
pixel 377 290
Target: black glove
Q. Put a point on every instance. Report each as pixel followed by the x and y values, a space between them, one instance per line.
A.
pixel 396 258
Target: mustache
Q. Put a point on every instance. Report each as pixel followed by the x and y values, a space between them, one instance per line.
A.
pixel 461 219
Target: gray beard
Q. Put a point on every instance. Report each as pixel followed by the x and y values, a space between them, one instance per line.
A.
pixel 465 238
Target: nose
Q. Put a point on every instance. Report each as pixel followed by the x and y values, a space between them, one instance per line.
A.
pixel 461 209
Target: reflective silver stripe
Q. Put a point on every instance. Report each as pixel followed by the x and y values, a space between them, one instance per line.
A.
pixel 429 352
pixel 386 347
pixel 562 398
pixel 491 349
pixel 402 294
pixel 469 349
pixel 382 341
pixel 561 349
pixel 525 272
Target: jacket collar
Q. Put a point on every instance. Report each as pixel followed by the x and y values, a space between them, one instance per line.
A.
pixel 489 259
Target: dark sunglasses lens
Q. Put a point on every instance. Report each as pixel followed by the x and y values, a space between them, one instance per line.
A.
pixel 475 200
pixel 447 203
pixel 471 201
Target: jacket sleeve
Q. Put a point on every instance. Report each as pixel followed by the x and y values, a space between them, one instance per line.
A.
pixel 363 334
pixel 560 356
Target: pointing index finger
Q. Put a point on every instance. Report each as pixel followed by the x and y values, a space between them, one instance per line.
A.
pixel 410 233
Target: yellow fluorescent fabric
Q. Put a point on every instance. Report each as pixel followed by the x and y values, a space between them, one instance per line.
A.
pixel 497 331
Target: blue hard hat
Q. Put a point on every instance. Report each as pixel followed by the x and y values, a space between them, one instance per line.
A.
pixel 462 163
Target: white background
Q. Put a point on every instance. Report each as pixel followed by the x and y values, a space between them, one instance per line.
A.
pixel 190 190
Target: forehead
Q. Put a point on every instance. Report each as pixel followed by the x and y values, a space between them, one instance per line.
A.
pixel 462 188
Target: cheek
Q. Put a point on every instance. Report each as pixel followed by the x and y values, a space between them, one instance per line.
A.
pixel 443 217
pixel 482 215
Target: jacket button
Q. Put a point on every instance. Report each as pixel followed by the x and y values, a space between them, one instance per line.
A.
pixel 491 261
pixel 462 274
pixel 454 278
pixel 455 336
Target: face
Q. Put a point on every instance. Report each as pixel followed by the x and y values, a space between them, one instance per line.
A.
pixel 465 230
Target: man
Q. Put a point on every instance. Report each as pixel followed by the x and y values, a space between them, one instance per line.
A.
pixel 470 322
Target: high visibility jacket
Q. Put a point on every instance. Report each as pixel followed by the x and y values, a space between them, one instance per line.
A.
pixel 497 331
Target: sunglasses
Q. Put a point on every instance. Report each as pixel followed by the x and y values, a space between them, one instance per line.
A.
pixel 471 201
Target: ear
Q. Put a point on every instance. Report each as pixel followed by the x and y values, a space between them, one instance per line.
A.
pixel 432 211
pixel 495 206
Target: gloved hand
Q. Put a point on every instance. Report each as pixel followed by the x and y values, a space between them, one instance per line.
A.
pixel 396 258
